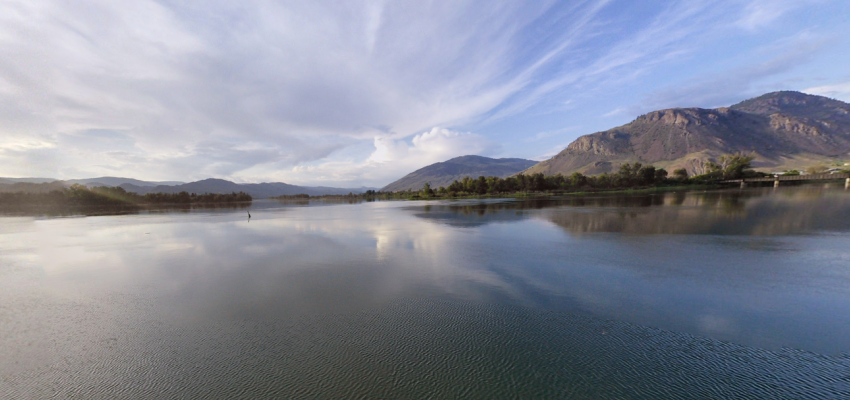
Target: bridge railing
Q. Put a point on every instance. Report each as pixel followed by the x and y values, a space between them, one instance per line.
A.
pixel 780 178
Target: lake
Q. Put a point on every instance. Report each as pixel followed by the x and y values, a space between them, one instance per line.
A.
pixel 740 294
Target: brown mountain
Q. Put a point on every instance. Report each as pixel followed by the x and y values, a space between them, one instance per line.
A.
pixel 783 130
pixel 446 172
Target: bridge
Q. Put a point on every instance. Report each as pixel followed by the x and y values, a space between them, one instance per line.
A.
pixel 781 178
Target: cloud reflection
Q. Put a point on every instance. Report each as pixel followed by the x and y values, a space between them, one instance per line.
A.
pixel 688 262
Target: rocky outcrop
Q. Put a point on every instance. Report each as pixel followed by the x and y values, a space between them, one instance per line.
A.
pixel 780 129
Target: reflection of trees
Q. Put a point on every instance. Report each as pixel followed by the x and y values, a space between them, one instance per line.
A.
pixel 65 211
pixel 304 201
pixel 79 199
pixel 751 212
pixel 722 214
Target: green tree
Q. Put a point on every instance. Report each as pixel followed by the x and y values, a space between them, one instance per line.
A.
pixel 646 175
pixel 481 185
pixel 427 191
pixel 578 180
pixel 817 169
pixel 733 165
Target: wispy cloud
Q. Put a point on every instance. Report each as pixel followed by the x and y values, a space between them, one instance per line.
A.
pixel 551 133
pixel 761 13
pixel 616 112
pixel 839 91
pixel 264 90
pixel 723 88
pixel 289 76
pixel 393 158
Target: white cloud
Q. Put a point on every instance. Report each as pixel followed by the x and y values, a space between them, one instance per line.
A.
pixel 393 158
pixel 840 91
pixel 761 13
pixel 293 78
pixel 266 90
pixel 438 144
pixel 672 33
pixel 725 87
pixel 615 112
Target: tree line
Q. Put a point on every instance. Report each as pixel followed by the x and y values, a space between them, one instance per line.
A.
pixel 79 195
pixel 629 176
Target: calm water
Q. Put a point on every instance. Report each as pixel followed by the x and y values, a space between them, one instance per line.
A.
pixel 738 294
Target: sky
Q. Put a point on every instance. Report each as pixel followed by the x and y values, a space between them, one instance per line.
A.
pixel 360 93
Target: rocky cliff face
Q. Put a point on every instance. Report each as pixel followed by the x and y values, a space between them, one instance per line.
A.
pixel 782 129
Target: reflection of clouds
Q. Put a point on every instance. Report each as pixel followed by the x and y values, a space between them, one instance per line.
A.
pixel 313 258
pixel 715 324
pixel 329 259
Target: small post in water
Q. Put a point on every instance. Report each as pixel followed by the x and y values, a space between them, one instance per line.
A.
pixel 847 184
pixel 776 183
pixel 743 184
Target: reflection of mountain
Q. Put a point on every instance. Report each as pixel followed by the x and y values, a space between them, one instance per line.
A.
pixel 720 212
pixel 471 214
pixel 477 213
pixel 723 214
pixel 338 260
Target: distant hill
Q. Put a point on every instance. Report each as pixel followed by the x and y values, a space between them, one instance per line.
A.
pixel 256 190
pixel 102 181
pixel 27 180
pixel 784 130
pixel 30 187
pixel 113 181
pixel 446 172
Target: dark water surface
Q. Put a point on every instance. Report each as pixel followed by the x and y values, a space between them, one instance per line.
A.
pixel 710 295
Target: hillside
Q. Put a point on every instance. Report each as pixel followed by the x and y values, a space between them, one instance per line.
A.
pixel 256 190
pixel 784 130
pixel 446 172
pixel 101 181
pixel 216 186
pixel 113 181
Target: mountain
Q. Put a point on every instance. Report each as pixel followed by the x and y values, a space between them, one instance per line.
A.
pixel 113 181
pixel 102 181
pixel 31 187
pixel 256 190
pixel 446 172
pixel 26 180
pixel 783 130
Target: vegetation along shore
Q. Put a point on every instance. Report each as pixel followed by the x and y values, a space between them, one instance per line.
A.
pixel 103 196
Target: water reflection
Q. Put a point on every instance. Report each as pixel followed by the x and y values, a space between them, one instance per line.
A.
pixel 758 268
pixel 755 212
pixel 69 211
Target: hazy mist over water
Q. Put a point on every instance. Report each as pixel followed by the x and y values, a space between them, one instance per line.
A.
pixel 723 294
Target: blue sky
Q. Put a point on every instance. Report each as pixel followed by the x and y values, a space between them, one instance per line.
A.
pixel 363 92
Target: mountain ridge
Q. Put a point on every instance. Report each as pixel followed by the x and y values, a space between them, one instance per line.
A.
pixel 212 185
pixel 783 129
pixel 445 172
